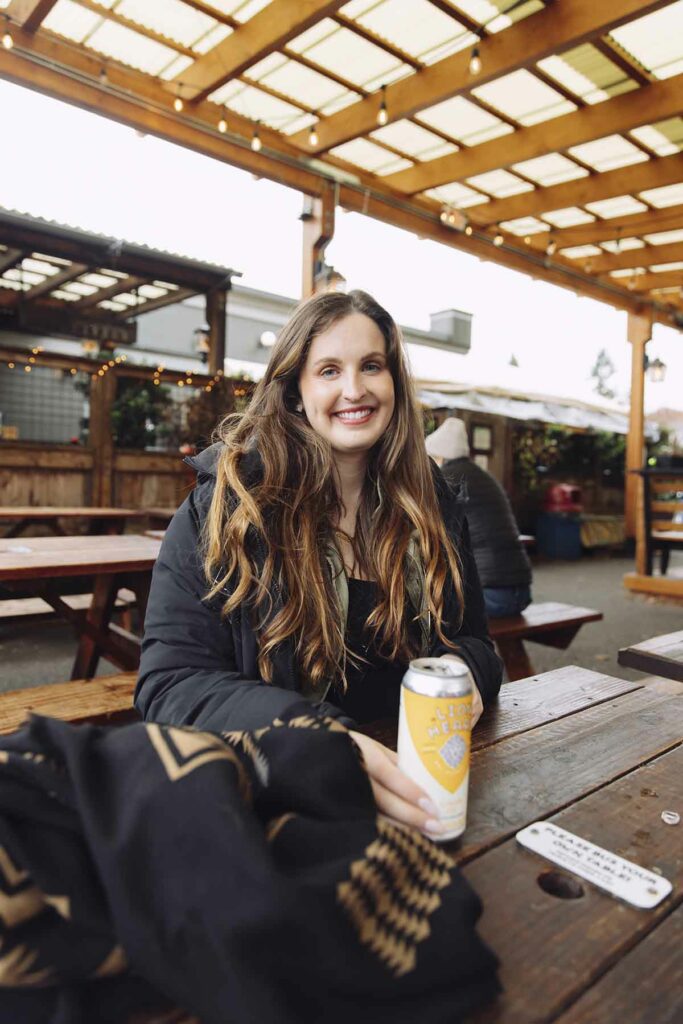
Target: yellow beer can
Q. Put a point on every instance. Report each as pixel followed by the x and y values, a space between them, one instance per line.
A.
pixel 434 732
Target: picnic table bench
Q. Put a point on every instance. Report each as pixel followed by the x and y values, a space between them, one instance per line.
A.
pixel 551 623
pixel 98 520
pixel 43 566
pixel 598 756
pixel 659 656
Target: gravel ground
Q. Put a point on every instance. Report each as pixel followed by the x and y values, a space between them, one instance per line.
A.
pixel 33 654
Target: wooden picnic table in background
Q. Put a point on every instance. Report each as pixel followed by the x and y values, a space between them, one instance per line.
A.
pixel 660 656
pixel 98 520
pixel 159 518
pixel 600 757
pixel 41 566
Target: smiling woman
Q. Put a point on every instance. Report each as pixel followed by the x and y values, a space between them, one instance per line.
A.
pixel 319 553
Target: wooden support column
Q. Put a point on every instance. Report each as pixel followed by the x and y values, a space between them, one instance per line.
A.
pixel 639 333
pixel 318 220
pixel 216 307
pixel 102 395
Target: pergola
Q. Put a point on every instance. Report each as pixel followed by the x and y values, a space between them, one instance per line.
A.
pixel 545 137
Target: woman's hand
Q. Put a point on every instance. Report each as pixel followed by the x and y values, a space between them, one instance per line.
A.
pixel 477 702
pixel 396 796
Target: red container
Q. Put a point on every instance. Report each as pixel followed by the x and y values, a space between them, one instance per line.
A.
pixel 563 498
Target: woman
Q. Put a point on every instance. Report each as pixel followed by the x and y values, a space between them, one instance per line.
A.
pixel 318 553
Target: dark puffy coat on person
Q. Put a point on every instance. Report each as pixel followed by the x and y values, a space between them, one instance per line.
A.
pixel 199 668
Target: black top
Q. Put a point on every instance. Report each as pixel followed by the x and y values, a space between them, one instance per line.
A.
pixel 501 559
pixel 373 685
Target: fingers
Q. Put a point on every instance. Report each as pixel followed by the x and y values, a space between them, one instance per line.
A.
pixel 404 813
pixel 477 705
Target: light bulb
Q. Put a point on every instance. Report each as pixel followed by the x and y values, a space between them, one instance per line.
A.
pixel 7 41
pixel 222 126
pixel 443 216
pixel 468 229
pixel 256 143
pixel 527 239
pixel 475 61
pixel 498 240
pixel 177 104
pixel 382 116
pixel 551 248
pixel 313 137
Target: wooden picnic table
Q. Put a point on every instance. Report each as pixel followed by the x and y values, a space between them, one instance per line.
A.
pixel 600 757
pixel 660 656
pixel 99 520
pixel 158 518
pixel 43 566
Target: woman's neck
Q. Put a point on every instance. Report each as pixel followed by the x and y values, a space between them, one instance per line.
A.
pixel 351 470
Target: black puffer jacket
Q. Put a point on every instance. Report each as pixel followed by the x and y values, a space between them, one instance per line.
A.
pixel 198 669
pixel 501 559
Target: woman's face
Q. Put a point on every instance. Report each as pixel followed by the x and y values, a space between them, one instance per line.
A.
pixel 346 387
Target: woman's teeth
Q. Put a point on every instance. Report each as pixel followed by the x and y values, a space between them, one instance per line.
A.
pixel 361 414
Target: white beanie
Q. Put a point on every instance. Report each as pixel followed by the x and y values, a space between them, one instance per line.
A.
pixel 449 441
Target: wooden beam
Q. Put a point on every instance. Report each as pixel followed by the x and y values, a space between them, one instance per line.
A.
pixel 112 15
pixel 318 230
pixel 639 332
pixel 557 27
pixel 648 256
pixel 664 279
pixel 9 259
pixel 631 110
pixel 30 14
pixel 216 304
pixel 170 299
pixel 666 170
pixel 616 53
pixel 123 284
pixel 271 28
pixel 630 226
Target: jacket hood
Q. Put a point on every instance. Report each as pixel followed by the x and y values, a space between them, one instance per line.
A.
pixel 204 464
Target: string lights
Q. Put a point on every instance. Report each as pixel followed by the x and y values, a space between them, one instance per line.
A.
pixel 498 238
pixel 382 113
pixel 178 101
pixel 475 61
pixel 312 136
pixel 551 247
pixel 223 125
pixel 7 40
pixel 256 141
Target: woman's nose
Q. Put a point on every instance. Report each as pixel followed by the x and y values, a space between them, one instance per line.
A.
pixel 354 387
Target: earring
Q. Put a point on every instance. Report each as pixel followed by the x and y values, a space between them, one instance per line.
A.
pixel 299 407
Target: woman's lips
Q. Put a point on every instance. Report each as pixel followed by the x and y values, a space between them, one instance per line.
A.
pixel 352 417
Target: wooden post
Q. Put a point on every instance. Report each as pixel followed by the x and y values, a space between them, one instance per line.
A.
pixel 102 395
pixel 318 220
pixel 639 333
pixel 216 305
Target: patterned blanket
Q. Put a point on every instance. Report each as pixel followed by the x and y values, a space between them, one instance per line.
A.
pixel 243 877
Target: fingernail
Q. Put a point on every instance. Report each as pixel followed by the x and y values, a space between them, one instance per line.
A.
pixel 425 804
pixel 433 826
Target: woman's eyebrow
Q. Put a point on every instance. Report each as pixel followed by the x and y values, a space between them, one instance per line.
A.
pixel 336 359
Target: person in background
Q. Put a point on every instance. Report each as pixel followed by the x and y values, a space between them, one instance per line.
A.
pixel 319 552
pixel 503 565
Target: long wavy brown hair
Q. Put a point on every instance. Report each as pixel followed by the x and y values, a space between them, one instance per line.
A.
pixel 269 537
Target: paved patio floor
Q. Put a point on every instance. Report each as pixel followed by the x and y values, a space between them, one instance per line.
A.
pixel 33 654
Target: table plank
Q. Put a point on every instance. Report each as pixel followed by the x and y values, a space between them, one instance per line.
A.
pixel 660 656
pixel 551 949
pixel 50 557
pixel 108 692
pixel 68 512
pixel 645 986
pixel 529 703
pixel 533 775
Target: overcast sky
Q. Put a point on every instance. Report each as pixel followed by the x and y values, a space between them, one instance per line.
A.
pixel 67 165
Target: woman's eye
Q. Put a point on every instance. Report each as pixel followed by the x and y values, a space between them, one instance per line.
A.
pixel 373 367
pixel 328 371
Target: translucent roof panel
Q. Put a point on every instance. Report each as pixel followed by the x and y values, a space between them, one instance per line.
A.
pixel 464 121
pixel 413 140
pixel 618 206
pixel 656 40
pixel 663 268
pixel 59 293
pixel 241 10
pixel 497 15
pixel 499 184
pixel 415 26
pixel 609 153
pixel 212 38
pixel 175 68
pixel 667 195
pixel 524 226
pixel 131 48
pixel 580 252
pixel 98 280
pixel 665 137
pixel 551 169
pixel 39 267
pixel 171 18
pixel 623 244
pixel 568 218
pixel 524 98
pixel 664 237
pixel 71 21
pixel 301 84
pixel 351 57
pixel 586 72
pixel 23 276
pixel 257 105
pixel 458 195
pixel 367 155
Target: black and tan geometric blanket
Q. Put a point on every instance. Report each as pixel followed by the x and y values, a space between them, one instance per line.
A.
pixel 243 878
